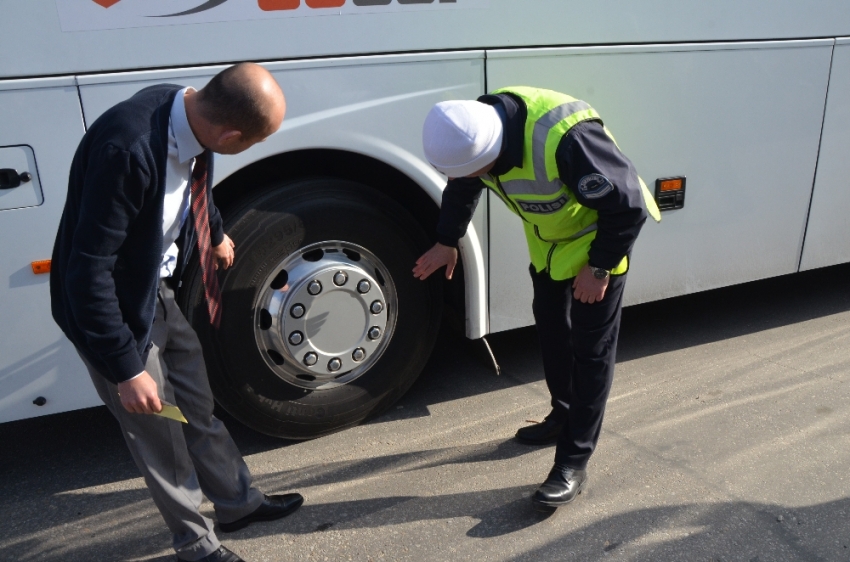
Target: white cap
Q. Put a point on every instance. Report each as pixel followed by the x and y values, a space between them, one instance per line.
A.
pixel 460 137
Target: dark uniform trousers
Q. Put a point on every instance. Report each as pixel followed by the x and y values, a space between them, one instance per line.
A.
pixel 183 462
pixel 579 345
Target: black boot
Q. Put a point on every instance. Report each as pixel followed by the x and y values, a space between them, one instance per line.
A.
pixel 542 433
pixel 560 488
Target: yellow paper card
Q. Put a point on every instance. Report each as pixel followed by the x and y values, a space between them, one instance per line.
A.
pixel 171 412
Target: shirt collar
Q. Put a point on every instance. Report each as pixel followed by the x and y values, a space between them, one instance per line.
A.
pixel 187 145
pixel 513 113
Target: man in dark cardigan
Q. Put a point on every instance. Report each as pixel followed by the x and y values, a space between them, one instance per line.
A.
pixel 139 202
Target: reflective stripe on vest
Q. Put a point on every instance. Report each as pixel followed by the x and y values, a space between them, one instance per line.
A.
pixel 559 230
pixel 540 184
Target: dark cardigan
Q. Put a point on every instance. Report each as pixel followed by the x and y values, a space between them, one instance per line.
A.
pixel 108 251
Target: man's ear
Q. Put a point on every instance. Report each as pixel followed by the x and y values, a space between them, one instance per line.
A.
pixel 228 137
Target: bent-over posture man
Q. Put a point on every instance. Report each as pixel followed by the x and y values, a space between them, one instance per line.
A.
pixel 551 160
pixel 139 202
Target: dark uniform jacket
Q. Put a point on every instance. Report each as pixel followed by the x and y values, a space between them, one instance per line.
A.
pixel 108 251
pixel 585 149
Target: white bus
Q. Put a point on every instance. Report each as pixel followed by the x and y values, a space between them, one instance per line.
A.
pixel 747 101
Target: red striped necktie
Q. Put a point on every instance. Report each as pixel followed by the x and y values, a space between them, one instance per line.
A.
pixel 200 213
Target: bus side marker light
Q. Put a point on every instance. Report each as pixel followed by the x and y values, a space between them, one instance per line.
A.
pixel 41 266
pixel 670 193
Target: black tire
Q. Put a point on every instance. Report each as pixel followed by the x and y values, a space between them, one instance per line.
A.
pixel 268 228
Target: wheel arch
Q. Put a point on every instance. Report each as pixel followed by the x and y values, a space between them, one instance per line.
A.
pixel 407 180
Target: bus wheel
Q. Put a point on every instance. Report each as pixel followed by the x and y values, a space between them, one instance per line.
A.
pixel 323 324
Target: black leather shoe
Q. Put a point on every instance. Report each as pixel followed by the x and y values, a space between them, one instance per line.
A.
pixel 273 507
pixel 220 555
pixel 541 433
pixel 561 487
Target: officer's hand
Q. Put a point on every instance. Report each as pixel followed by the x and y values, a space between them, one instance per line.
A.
pixel 434 259
pixel 587 288
pixel 223 254
pixel 139 395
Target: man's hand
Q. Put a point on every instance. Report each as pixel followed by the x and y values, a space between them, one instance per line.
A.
pixel 434 259
pixel 588 288
pixel 223 254
pixel 139 395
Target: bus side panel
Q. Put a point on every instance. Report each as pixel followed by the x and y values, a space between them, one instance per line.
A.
pixel 742 122
pixel 828 232
pixel 36 360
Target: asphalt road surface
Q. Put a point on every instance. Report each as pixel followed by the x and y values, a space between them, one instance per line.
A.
pixel 727 437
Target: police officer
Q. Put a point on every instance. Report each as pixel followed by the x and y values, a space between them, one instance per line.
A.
pixel 551 160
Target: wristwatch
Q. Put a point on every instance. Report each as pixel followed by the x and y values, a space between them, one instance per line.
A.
pixel 599 273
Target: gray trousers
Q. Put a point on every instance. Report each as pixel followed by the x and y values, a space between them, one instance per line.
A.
pixel 183 462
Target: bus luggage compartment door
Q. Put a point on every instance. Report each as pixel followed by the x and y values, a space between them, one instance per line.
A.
pixel 741 120
pixel 40 126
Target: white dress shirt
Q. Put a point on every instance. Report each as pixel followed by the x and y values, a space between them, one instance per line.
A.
pixel 183 147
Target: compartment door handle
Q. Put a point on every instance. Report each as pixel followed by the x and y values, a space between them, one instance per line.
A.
pixel 10 178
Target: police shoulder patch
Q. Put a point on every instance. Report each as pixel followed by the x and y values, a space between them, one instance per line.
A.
pixel 594 186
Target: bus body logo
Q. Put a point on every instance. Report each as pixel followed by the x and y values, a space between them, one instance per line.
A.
pixel 91 15
pixel 275 5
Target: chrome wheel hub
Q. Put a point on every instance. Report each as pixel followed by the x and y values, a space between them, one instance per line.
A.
pixel 325 314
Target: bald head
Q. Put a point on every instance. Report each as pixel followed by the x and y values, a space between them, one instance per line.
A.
pixel 243 98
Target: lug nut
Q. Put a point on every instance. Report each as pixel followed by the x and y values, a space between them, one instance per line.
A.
pixel 376 307
pixel 334 365
pixel 374 333
pixel 359 354
pixel 310 359
pixel 315 287
pixel 297 310
pixel 295 338
pixel 363 287
pixel 340 278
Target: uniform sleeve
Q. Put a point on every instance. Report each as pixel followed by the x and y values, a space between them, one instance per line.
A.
pixel 113 194
pixel 459 201
pixel 603 179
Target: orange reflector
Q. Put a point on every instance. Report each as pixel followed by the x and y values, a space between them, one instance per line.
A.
pixel 41 266
pixel 671 185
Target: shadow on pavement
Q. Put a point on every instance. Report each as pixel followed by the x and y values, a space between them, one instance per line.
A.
pixel 692 531
pixel 124 524
pixel 499 512
pixel 728 531
pixel 344 471
pixel 40 506
pixel 47 463
pixel 717 532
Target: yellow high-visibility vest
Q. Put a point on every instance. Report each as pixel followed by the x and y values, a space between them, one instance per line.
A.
pixel 558 228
